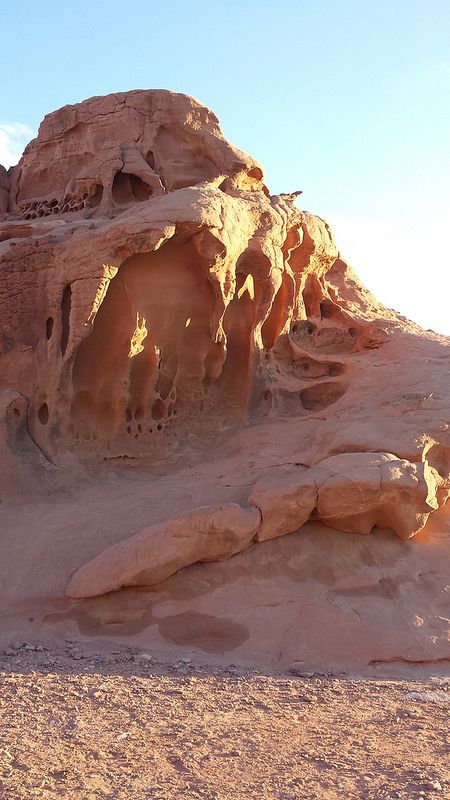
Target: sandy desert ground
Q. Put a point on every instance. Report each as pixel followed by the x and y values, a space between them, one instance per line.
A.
pixel 80 723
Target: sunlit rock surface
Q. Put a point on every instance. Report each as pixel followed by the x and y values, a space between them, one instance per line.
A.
pixel 174 337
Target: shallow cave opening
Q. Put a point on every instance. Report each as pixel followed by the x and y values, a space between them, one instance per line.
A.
pixel 255 173
pixel 327 309
pixel 152 332
pixel 96 197
pixel 49 328
pixel 43 414
pixel 150 159
pixel 66 303
pixel 129 189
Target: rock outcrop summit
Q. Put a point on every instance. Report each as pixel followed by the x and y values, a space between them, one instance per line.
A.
pixel 189 367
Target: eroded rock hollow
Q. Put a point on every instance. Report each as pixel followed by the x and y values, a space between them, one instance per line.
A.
pixel 162 310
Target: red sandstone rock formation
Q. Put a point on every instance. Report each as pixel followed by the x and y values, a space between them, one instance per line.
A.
pixel 160 310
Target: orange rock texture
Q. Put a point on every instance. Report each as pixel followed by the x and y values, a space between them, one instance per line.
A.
pixel 162 314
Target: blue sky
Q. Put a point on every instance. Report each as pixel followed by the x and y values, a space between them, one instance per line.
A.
pixel 348 100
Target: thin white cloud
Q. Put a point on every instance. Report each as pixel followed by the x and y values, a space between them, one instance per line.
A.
pixel 14 136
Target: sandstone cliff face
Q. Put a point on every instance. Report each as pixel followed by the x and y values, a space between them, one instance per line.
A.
pixel 160 309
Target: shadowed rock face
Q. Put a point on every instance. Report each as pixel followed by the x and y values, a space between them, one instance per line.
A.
pixel 5 185
pixel 159 304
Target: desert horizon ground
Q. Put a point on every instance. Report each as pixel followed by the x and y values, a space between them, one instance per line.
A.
pixel 224 469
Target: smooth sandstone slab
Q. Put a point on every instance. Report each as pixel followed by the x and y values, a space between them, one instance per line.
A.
pixel 211 533
pixel 286 502
pixel 365 490
pixel 352 492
